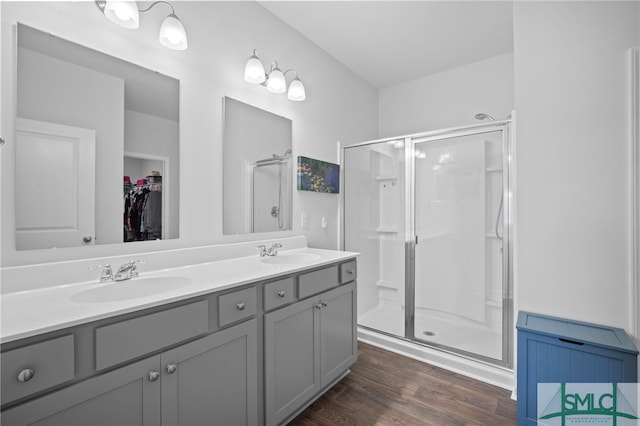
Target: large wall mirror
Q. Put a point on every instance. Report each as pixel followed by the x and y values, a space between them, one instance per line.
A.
pixel 257 165
pixel 97 147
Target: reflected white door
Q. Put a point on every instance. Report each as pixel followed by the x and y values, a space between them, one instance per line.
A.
pixel 55 185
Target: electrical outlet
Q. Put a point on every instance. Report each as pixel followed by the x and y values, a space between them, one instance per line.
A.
pixel 304 219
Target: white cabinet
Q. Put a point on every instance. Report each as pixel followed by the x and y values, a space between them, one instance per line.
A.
pixel 308 346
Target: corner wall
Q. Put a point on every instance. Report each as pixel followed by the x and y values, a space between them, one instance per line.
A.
pixel 448 99
pixel 573 211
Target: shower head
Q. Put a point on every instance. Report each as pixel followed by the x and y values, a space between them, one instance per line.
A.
pixel 483 116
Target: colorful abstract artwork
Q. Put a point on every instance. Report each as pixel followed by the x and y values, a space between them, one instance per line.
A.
pixel 318 176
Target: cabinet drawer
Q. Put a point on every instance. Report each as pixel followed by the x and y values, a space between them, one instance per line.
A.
pixel 317 281
pixel 36 367
pixel 348 272
pixel 237 305
pixel 128 339
pixel 278 293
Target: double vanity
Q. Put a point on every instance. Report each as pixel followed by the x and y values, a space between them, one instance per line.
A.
pixel 248 340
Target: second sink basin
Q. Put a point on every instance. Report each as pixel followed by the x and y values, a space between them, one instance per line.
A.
pixel 130 289
pixel 289 259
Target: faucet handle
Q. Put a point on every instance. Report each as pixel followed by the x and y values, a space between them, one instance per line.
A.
pixel 263 250
pixel 107 272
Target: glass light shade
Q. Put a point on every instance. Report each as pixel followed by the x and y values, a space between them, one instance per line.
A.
pixel 123 13
pixel 276 82
pixel 254 71
pixel 172 34
pixel 296 91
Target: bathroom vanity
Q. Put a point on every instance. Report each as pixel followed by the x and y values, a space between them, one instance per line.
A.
pixel 249 341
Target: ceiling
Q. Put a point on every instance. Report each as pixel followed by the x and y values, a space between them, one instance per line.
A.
pixel 391 42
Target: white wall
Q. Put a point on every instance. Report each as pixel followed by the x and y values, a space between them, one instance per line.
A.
pixel 339 106
pixel 573 211
pixel 80 97
pixel 448 99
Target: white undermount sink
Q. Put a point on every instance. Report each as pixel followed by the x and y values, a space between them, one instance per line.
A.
pixel 290 259
pixel 130 289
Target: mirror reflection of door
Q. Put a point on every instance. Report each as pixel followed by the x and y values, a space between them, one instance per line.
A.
pixel 55 185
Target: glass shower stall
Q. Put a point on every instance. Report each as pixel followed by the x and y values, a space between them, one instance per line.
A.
pixel 431 216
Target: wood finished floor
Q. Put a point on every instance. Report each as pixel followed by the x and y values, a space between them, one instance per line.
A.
pixel 385 388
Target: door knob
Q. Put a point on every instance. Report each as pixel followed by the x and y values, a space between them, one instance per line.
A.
pixel 87 239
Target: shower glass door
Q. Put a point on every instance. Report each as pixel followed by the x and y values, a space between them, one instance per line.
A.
pixel 458 227
pixel 374 225
pixel 430 216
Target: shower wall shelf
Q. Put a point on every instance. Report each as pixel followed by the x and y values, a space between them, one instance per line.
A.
pixel 384 230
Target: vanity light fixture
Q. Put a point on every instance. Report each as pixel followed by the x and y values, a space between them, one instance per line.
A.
pixel 275 80
pixel 126 14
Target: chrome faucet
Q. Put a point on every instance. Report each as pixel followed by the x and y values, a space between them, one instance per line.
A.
pixel 107 272
pixel 271 251
pixel 125 271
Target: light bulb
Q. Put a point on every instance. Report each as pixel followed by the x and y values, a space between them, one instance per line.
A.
pixel 254 70
pixel 276 82
pixel 296 91
pixel 172 34
pixel 123 13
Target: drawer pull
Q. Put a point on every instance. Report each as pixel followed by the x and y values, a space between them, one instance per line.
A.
pixel 171 368
pixel 240 306
pixel 350 271
pixel 281 293
pixel 153 376
pixel 26 375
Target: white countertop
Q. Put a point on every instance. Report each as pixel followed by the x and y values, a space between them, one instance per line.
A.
pixel 37 311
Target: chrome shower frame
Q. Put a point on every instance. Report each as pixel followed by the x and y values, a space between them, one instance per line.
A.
pixel 410 237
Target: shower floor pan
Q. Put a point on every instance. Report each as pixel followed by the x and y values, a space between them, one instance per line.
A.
pixel 438 328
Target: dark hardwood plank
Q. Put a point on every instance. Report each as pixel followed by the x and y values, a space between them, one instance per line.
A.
pixel 385 388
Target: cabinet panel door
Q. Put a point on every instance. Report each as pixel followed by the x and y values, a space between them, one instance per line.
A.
pixel 215 380
pixel 124 396
pixel 292 364
pixel 338 340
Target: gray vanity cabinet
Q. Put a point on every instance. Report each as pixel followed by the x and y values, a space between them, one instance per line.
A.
pixel 213 380
pixel 125 396
pixel 309 345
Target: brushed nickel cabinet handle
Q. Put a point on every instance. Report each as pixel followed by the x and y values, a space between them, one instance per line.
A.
pixel 240 306
pixel 281 293
pixel 318 305
pixel 324 303
pixel 153 376
pixel 26 375
pixel 172 368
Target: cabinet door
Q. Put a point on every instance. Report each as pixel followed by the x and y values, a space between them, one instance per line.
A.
pixel 213 380
pixel 125 396
pixel 292 364
pixel 338 340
